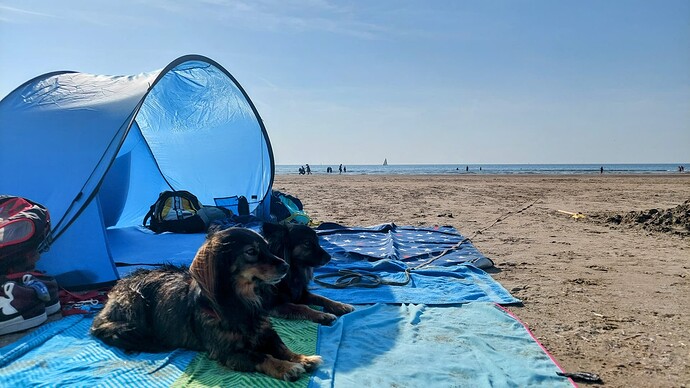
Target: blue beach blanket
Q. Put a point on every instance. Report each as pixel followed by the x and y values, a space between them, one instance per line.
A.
pixel 474 345
pixel 388 250
pixel 62 353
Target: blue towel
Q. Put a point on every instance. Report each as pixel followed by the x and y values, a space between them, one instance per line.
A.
pixel 432 286
pixel 473 345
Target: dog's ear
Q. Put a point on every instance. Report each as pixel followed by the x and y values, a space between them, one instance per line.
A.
pixel 276 236
pixel 272 228
pixel 203 267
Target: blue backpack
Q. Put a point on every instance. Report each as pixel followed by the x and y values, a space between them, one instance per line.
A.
pixel 286 208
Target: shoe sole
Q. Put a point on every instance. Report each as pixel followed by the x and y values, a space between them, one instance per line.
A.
pixel 19 323
pixel 53 308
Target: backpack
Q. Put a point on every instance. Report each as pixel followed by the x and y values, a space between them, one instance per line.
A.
pixel 286 208
pixel 24 233
pixel 175 211
pixel 181 212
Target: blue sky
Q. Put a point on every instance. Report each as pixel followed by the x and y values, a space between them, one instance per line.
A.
pixel 355 82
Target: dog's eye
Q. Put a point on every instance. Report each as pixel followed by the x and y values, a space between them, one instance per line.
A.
pixel 306 244
pixel 251 252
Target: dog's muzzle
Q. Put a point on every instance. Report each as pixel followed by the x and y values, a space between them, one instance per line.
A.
pixel 281 271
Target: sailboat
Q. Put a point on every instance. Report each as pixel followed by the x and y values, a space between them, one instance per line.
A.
pixel 385 161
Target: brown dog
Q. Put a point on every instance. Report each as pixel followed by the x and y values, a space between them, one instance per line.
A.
pixel 214 306
pixel 299 246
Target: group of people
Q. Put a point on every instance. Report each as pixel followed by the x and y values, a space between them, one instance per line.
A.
pixel 304 171
pixel 307 170
pixel 681 168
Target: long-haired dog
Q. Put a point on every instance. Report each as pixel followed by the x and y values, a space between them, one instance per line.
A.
pixel 299 246
pixel 214 306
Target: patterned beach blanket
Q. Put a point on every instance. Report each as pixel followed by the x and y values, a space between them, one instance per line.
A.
pixel 429 265
pixel 473 345
pixel 63 353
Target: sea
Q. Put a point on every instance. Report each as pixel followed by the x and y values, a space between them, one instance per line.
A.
pixel 449 169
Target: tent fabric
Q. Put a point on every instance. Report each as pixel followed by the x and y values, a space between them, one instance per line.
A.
pixel 97 150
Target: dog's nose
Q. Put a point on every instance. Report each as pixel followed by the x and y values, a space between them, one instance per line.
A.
pixel 284 267
pixel 325 258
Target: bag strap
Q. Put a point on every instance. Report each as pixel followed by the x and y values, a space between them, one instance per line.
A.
pixel 149 215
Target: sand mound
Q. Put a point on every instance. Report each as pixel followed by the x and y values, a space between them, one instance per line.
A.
pixel 674 221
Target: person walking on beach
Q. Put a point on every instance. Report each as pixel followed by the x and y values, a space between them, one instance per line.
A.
pixel 601 170
pixel 340 169
pixel 344 169
pixel 308 170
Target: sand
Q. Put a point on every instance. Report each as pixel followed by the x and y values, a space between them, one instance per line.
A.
pixel 608 293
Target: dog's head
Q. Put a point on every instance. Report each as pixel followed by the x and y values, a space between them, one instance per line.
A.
pixel 297 244
pixel 236 260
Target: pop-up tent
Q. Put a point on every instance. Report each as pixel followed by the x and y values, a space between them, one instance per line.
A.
pixel 97 150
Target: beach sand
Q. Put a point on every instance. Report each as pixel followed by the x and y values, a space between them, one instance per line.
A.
pixel 601 297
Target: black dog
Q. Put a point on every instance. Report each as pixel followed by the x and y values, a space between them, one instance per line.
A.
pixel 299 246
pixel 214 306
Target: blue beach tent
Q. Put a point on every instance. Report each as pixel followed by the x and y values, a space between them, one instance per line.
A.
pixel 97 150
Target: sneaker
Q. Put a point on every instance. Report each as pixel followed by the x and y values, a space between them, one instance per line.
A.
pixel 20 309
pixel 46 288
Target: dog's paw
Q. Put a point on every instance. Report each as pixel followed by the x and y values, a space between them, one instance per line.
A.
pixel 341 309
pixel 294 372
pixel 279 369
pixel 310 362
pixel 326 319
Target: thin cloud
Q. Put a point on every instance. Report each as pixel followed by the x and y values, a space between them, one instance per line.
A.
pixel 282 15
pixel 6 11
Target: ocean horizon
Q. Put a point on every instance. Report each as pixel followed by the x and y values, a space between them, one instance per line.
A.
pixel 450 169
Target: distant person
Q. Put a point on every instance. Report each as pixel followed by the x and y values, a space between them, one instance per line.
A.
pixel 601 170
pixel 308 169
pixel 344 169
pixel 340 169
pixel 301 170
pixel 467 168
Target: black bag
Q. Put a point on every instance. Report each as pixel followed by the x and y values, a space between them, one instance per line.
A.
pixel 175 211
pixel 181 212
pixel 24 233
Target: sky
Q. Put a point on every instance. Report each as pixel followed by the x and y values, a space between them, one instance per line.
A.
pixel 414 82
